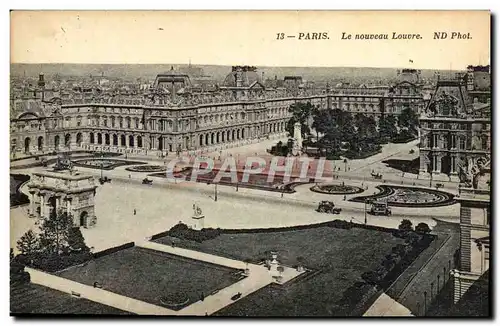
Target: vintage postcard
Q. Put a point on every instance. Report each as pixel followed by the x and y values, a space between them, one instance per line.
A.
pixel 250 163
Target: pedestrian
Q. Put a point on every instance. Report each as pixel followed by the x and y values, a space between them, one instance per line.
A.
pixel 345 197
pixel 135 212
pixel 129 176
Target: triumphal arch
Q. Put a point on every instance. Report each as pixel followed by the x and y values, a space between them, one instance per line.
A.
pixel 67 190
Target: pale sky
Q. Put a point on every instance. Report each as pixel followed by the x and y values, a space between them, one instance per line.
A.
pixel 249 37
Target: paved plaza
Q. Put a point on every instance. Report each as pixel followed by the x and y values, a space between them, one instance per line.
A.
pixel 164 204
pixel 136 211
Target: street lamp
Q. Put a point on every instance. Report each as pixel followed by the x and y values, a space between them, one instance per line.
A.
pixel 216 192
pixel 425 302
pixel 365 211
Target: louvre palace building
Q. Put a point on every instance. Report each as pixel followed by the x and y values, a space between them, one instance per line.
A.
pixel 455 126
pixel 174 115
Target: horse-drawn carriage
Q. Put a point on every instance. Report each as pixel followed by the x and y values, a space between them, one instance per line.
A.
pixel 147 181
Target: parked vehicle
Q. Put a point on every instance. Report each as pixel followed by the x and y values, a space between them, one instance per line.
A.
pixel 147 181
pixel 376 175
pixel 328 207
pixel 380 208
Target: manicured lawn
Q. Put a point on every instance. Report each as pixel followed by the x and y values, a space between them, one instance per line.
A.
pixel 149 275
pixel 36 299
pixel 340 255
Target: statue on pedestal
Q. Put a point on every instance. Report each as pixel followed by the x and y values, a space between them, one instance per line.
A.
pixel 198 218
pixel 297 139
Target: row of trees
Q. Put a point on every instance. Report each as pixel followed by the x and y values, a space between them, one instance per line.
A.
pixel 57 245
pixel 402 255
pixel 339 132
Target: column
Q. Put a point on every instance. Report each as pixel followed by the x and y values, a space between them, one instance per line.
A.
pixel 453 159
pixel 422 163
pixel 58 203
pixel 68 205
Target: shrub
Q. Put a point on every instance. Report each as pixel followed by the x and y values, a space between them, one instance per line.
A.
pixel 182 231
pixel 422 228
pixel 405 225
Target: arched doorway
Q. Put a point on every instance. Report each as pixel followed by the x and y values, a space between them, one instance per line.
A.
pixel 212 136
pixel 227 135
pixel 232 136
pixel 106 139
pixel 131 141
pixel 139 141
pixel 242 133
pixel 67 140
pixel 52 206
pixel 92 140
pixel 223 136
pixel 99 138
pixel 79 139
pixel 115 140
pixel 218 137
pixel 83 218
pixel 206 139
pixel 57 141
pixel 27 144
pixel 160 143
pixel 40 143
pixel 445 164
pixel 201 140
pixel 238 134
pixel 123 140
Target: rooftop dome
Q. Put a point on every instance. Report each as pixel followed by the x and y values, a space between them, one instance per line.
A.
pixel 249 75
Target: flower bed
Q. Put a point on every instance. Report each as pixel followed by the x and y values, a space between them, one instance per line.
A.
pixel 148 168
pixel 398 196
pixel 336 189
pixel 105 164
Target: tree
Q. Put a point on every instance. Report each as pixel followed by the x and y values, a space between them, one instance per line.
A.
pixel 408 120
pixel 387 127
pixel 76 242
pixel 422 228
pixel 301 112
pixel 54 232
pixel 405 225
pixel 28 244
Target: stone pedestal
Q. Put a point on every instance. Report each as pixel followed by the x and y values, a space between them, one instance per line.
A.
pixel 273 265
pixel 198 222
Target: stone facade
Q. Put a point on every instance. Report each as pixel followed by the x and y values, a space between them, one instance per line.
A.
pixel 454 132
pixel 172 116
pixel 475 210
pixel 66 191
